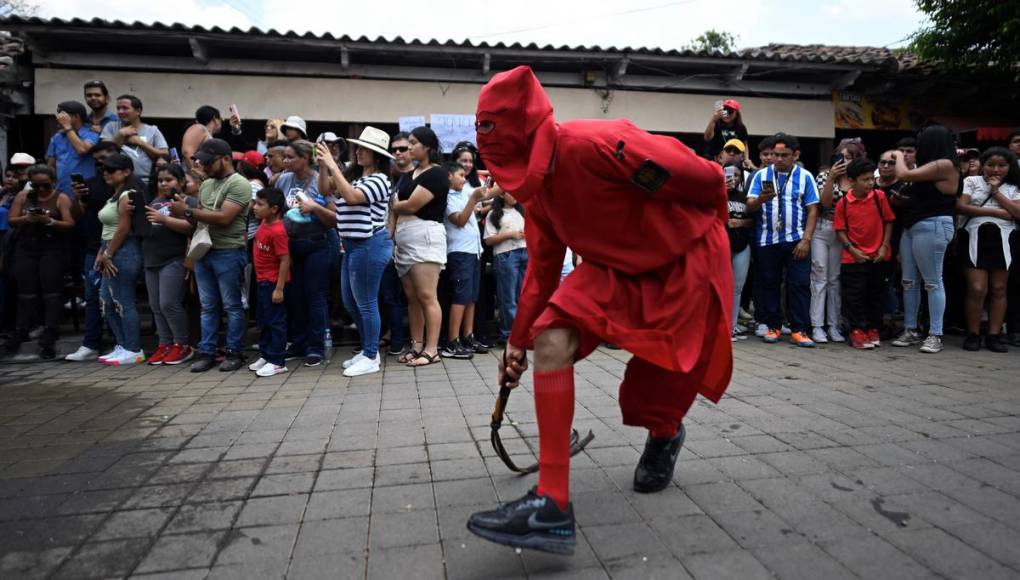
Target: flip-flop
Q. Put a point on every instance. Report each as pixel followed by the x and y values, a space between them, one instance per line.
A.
pixel 433 359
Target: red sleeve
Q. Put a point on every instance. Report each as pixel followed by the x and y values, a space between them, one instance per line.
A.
pixel 883 203
pixel 545 263
pixel 839 222
pixel 281 243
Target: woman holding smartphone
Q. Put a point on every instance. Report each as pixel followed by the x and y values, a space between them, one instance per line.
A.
pixel 42 217
pixel 739 228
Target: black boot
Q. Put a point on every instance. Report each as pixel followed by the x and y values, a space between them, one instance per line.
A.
pixel 995 343
pixel 972 342
pixel 533 521
pixel 1013 338
pixel 655 469
pixel 204 363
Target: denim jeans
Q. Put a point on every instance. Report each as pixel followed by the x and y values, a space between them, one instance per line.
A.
pixel 117 294
pixel 741 264
pixel 219 276
pixel 510 268
pixel 310 262
pixel 393 300
pixel 826 258
pixel 922 251
pixel 273 321
pixel 93 313
pixel 772 261
pixel 361 274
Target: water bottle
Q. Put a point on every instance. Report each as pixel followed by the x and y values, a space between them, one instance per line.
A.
pixel 328 343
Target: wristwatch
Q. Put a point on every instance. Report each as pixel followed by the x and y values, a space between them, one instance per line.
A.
pixel 189 214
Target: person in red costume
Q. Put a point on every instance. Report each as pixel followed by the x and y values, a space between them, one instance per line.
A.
pixel 648 217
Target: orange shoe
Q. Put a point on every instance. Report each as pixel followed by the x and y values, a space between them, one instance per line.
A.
pixel 772 336
pixel 801 339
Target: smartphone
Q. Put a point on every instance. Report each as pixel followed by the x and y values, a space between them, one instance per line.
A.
pixel 768 188
pixel 174 156
pixel 718 105
pixel 315 152
pixel 78 179
pixel 838 158
pixel 234 112
pixel 37 211
pixel 489 182
pixel 730 171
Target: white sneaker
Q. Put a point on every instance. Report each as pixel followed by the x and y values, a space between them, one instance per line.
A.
pixel 786 330
pixel 353 361
pixel 818 335
pixel 365 366
pixel 745 315
pixel 83 354
pixel 269 369
pixel 762 330
pixel 740 329
pixel 255 366
pixel 125 358
pixel 932 344
pixel 116 352
pixel 835 335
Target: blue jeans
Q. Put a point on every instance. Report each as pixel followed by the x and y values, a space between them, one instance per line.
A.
pixel 360 277
pixel 273 321
pixel 93 313
pixel 510 268
pixel 310 262
pixel 741 264
pixel 922 251
pixel 393 300
pixel 772 261
pixel 117 294
pixel 219 276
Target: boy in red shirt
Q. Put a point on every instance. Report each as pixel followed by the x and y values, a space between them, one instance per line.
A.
pixel 864 225
pixel 271 254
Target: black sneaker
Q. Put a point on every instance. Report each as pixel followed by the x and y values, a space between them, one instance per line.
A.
pixel 231 362
pixel 655 469
pixel 314 360
pixel 1013 338
pixel 456 349
pixel 395 350
pixel 477 346
pixel 47 353
pixel 972 342
pixel 204 363
pixel 533 521
pixel 994 343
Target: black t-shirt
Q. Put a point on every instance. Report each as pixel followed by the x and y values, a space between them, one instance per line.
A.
pixel 923 201
pixel 739 237
pixel 436 180
pixel 724 133
pixel 163 245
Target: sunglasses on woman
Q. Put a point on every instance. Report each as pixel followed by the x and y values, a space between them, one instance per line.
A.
pixel 399 149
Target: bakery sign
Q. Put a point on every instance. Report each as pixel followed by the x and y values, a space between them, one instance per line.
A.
pixel 857 112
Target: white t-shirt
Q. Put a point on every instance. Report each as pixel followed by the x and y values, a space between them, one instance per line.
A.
pixel 465 239
pixel 147 133
pixel 512 220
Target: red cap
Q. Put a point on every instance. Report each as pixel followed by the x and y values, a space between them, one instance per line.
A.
pixel 731 104
pixel 254 158
pixel 237 156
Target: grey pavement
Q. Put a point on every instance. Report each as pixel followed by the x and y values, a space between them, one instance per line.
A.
pixel 829 463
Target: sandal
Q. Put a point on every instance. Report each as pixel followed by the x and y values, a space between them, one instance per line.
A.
pixel 430 358
pixel 410 354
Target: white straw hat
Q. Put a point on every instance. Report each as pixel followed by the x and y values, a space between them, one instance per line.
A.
pixel 374 139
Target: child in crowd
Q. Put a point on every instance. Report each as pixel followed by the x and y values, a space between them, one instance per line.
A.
pixel 163 253
pixel 272 271
pixel 463 247
pixel 504 231
pixel 863 221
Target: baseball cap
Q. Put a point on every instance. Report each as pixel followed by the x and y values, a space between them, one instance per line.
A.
pixel 731 104
pixel 118 161
pixel 735 143
pixel 212 149
pixel 968 154
pixel 22 159
pixel 327 137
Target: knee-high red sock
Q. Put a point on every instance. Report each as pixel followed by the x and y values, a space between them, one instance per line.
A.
pixel 554 408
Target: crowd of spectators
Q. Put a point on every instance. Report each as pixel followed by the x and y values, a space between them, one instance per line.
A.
pixel 423 255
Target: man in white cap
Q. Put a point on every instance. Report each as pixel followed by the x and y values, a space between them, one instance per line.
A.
pixel 20 162
pixel 337 145
pixel 294 128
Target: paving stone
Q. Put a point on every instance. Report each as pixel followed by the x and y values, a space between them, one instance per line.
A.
pixel 349 566
pixel 948 555
pixel 272 510
pixel 204 517
pixel 404 529
pixel 182 551
pixel 104 559
pixel 801 561
pixel 726 565
pixel 284 484
pixel 873 557
pixel 329 537
pixel 403 498
pixel 419 562
pixel 344 479
pixel 144 523
pixel 248 545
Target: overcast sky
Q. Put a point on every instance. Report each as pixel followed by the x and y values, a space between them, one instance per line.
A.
pixel 643 23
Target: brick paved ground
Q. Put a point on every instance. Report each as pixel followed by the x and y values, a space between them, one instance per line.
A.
pixel 825 464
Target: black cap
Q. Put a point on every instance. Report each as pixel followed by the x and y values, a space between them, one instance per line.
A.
pixel 212 149
pixel 118 161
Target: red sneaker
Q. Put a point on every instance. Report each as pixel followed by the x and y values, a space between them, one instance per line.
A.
pixel 859 340
pixel 874 338
pixel 160 354
pixel 178 354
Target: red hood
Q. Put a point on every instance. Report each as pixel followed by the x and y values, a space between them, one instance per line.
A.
pixel 519 150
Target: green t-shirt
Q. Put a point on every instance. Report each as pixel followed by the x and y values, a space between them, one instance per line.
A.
pixel 236 190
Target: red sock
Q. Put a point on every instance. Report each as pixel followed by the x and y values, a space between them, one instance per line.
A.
pixel 554 408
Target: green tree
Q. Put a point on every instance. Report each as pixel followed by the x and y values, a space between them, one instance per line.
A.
pixel 712 40
pixel 972 34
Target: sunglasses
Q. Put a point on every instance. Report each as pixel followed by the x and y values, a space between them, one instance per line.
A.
pixel 399 149
pixel 484 127
pixel 885 162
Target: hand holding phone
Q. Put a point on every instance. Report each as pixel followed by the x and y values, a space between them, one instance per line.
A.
pixel 768 190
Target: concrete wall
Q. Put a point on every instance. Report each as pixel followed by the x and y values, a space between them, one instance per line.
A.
pixel 357 100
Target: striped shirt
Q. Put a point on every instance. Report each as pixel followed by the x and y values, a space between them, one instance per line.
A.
pixel 359 221
pixel 782 218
